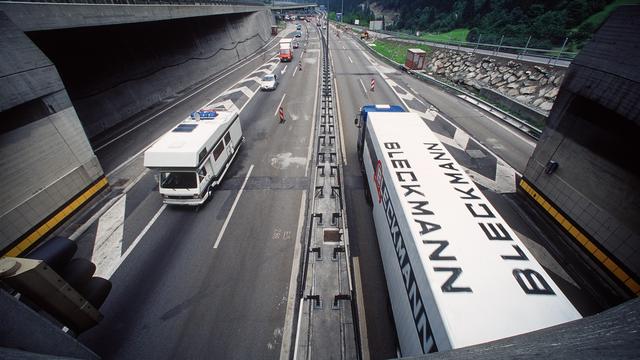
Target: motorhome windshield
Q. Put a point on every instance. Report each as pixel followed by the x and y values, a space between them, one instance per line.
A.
pixel 178 180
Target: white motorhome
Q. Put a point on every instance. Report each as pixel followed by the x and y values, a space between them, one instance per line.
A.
pixel 193 157
pixel 457 274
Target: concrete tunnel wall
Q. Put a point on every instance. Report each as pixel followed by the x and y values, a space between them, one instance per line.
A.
pixel 592 135
pixel 60 87
pixel 45 157
pixel 113 72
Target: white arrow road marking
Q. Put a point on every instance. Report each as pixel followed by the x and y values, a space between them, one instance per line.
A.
pixel 255 78
pixel 505 181
pixel 430 114
pixel 245 90
pixel 108 243
pixel 227 104
pixel 462 138
pixel 283 70
pixel 505 175
pixel 136 241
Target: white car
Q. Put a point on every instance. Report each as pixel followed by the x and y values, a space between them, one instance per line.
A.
pixel 269 82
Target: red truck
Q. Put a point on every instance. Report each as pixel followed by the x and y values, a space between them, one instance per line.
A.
pixel 286 50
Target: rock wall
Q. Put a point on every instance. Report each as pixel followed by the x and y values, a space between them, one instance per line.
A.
pixel 530 84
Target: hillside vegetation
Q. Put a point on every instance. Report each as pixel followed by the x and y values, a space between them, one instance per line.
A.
pixel 548 22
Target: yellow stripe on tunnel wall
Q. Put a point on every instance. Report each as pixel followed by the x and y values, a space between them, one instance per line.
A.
pixel 582 239
pixel 55 220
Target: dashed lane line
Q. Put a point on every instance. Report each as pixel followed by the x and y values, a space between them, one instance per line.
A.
pixel 233 208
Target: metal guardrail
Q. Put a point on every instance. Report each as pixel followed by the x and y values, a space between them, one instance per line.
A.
pixel 508 118
pixel 551 56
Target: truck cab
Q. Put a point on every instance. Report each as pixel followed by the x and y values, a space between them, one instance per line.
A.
pixel 361 120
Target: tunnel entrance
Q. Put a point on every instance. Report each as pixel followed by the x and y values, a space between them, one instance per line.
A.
pixel 114 72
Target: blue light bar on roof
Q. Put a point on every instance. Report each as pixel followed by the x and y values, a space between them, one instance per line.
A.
pixel 204 114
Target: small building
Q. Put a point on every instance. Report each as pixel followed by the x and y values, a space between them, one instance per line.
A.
pixel 415 59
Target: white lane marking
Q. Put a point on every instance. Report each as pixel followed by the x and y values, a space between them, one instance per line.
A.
pixel 178 102
pixel 254 78
pixel 364 338
pixel 245 90
pixel 364 88
pixel 80 230
pixel 500 123
pixel 107 207
pixel 108 242
pixel 343 145
pixel 280 104
pixel 295 68
pixel 349 57
pixel 503 170
pixel 227 104
pixel 430 114
pixel 135 181
pixel 462 138
pixel 291 298
pixel 284 69
pixel 233 208
pixel 76 234
pixel 126 162
pixel 505 182
pixel 137 240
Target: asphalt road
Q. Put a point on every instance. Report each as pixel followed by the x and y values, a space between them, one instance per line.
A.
pixel 215 282
pixel 485 146
pixel 176 295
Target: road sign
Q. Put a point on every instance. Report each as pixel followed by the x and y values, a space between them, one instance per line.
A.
pixel 281 114
pixel 373 84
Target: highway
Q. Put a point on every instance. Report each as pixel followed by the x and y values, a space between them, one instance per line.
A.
pixel 491 152
pixel 183 287
pixel 219 281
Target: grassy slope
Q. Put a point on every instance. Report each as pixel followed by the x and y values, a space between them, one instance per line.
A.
pixel 599 17
pixel 396 51
pixel 455 35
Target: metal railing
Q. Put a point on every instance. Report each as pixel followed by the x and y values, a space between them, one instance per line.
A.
pixel 548 56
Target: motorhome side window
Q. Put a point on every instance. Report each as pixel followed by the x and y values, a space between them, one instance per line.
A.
pixel 218 150
pixel 202 173
pixel 227 138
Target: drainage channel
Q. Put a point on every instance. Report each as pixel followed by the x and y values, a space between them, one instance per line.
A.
pixel 327 322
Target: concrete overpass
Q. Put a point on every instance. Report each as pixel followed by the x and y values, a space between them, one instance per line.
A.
pixel 287 5
pixel 52 16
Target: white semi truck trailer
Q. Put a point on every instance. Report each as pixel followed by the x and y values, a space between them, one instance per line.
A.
pixel 457 274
